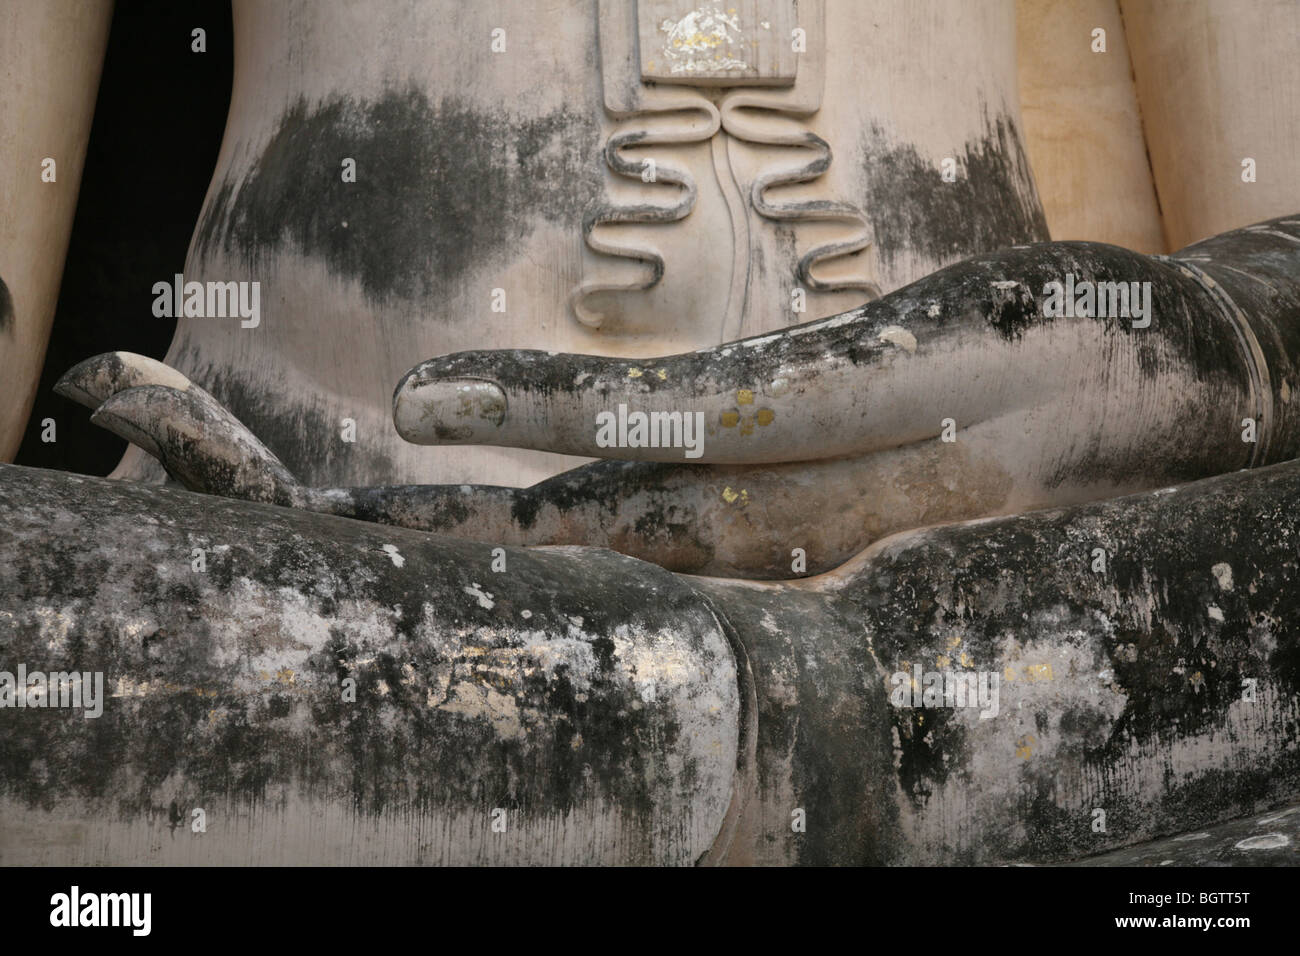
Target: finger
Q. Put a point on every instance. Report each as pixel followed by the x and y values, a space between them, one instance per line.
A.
pixel 98 378
pixel 472 512
pixel 199 442
pixel 966 343
pixel 748 521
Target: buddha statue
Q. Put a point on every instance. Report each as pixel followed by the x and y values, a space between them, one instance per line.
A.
pixel 936 541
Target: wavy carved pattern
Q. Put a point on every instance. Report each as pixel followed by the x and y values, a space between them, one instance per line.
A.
pixel 636 133
pixel 736 110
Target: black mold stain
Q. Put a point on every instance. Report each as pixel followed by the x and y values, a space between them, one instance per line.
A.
pixel 665 528
pixel 1013 310
pixel 442 508
pixel 6 308
pixel 599 485
pixel 305 439
pixel 440 187
pixel 928 744
pixel 991 204
pixel 1180 670
pixel 389 750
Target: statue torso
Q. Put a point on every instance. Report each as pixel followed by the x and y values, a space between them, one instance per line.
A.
pixel 501 199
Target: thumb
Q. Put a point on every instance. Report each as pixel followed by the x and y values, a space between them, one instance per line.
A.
pixel 199 442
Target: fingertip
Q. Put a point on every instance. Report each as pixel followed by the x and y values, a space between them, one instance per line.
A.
pixel 446 411
pixel 93 381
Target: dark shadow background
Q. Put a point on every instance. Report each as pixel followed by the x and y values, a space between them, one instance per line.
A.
pixel 153 146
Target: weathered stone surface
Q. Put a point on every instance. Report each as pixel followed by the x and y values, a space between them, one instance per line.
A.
pixel 615 721
pixel 1163 690
pixel 589 697
pixel 1267 839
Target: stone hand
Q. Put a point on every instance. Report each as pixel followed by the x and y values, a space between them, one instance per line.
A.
pixel 830 435
pixel 953 398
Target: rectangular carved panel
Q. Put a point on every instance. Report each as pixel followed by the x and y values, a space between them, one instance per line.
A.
pixel 721 43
